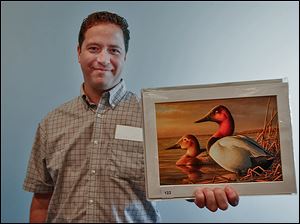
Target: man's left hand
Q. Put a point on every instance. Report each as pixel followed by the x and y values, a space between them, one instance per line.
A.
pixel 216 198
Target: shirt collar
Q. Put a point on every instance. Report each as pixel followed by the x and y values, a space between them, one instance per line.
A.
pixel 113 96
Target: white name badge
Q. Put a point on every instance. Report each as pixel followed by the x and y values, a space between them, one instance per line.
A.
pixel 129 133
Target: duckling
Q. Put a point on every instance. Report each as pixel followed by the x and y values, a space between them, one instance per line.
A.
pixel 194 154
pixel 233 153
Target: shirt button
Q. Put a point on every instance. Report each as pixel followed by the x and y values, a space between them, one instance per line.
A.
pixel 95 142
pixel 98 115
pixel 91 201
pixel 93 171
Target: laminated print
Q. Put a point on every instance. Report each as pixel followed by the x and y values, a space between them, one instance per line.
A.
pixel 239 135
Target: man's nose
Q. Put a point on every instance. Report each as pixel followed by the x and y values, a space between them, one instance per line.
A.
pixel 103 57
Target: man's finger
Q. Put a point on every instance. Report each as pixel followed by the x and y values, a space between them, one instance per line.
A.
pixel 199 198
pixel 232 196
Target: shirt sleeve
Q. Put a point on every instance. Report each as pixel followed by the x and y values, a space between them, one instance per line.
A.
pixel 38 179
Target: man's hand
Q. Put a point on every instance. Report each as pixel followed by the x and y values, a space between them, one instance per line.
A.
pixel 39 207
pixel 216 198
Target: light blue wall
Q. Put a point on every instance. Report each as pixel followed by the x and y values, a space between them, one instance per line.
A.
pixel 179 43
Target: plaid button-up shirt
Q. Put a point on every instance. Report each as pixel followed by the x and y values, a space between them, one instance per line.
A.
pixel 94 177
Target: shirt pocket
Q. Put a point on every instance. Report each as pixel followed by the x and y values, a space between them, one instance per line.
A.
pixel 126 159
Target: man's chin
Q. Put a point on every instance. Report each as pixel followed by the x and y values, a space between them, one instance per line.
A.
pixel 103 86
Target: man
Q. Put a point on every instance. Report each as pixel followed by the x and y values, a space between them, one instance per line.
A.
pixel 78 170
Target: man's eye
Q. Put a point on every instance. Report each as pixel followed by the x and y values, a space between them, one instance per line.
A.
pixel 115 51
pixel 93 49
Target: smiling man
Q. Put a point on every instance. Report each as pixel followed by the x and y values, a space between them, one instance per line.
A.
pixel 78 170
pixel 101 55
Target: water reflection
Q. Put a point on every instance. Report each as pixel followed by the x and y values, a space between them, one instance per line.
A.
pixel 193 174
pixel 205 174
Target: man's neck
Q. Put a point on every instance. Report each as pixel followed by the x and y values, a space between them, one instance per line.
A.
pixel 94 96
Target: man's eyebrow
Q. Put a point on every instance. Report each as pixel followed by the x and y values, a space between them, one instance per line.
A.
pixel 93 43
pixel 110 45
pixel 114 46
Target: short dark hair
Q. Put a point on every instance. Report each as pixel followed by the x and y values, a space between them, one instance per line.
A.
pixel 104 17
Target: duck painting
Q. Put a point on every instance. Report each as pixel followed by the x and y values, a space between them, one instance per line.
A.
pixel 194 154
pixel 233 153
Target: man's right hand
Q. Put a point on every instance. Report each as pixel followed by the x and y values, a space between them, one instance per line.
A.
pixel 39 207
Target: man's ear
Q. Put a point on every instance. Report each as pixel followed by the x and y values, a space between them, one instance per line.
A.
pixel 78 52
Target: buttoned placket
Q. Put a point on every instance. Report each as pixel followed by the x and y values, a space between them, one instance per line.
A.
pixel 95 168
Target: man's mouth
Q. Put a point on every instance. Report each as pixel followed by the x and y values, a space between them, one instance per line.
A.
pixel 102 69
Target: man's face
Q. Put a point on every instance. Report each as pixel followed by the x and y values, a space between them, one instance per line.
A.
pixel 102 56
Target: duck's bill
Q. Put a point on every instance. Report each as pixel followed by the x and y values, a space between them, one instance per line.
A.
pixel 206 118
pixel 176 146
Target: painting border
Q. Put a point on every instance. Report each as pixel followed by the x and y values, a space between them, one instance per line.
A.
pixel 277 87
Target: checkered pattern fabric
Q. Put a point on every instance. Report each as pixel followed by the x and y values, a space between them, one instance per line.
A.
pixel 93 176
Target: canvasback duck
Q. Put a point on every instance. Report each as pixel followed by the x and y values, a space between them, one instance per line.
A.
pixel 194 154
pixel 233 153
